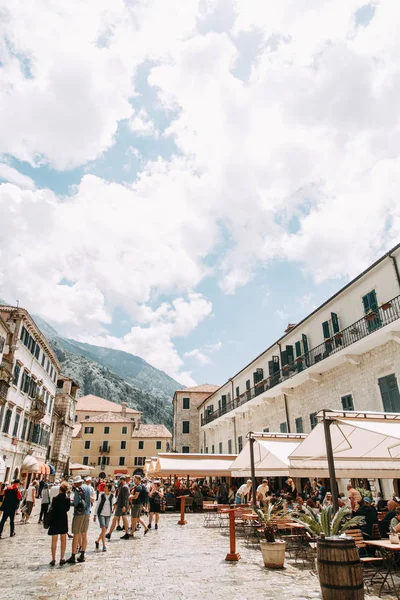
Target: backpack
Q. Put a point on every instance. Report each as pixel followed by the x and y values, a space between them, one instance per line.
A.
pixel 143 495
pixel 81 506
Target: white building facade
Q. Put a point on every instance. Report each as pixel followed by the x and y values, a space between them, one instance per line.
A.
pixel 343 356
pixel 25 416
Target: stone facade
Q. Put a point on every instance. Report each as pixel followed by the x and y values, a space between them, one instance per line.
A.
pixel 193 398
pixel 63 424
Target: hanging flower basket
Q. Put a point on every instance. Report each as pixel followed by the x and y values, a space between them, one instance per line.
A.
pixel 386 306
pixel 370 316
pixel 338 336
pixel 299 359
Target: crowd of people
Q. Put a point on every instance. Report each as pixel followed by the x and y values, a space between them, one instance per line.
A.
pixel 127 501
pixel 126 504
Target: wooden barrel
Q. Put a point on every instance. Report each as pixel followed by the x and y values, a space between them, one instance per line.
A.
pixel 339 569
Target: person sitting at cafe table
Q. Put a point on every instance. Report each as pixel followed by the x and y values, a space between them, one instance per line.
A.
pixel 366 510
pixel 395 522
pixel 392 505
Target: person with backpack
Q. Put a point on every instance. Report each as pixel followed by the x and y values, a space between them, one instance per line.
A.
pixel 11 500
pixel 155 498
pixel 80 522
pixel 138 499
pixel 103 512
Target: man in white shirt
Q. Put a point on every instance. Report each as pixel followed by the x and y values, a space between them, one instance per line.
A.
pixel 30 500
pixel 262 492
pixel 244 493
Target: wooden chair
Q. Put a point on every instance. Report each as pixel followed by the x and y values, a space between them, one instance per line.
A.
pixel 188 504
pixel 370 564
pixel 170 503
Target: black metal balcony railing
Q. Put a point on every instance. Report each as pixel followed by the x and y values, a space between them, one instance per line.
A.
pixel 372 321
pixel 104 449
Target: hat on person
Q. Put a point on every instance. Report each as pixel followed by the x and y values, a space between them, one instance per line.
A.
pixel 15 481
pixel 367 500
pixel 77 479
pixel 57 482
pixel 122 477
pixel 88 478
pixel 249 481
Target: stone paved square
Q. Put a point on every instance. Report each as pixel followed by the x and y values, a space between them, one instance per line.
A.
pixel 175 562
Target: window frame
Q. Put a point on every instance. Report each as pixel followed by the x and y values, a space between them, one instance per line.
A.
pixel 188 403
pixel 185 425
pixel 141 445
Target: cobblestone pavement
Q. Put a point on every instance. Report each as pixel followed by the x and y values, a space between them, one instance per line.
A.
pixel 175 562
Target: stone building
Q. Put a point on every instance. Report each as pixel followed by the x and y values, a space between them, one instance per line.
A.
pixel 116 441
pixel 186 428
pixel 62 424
pixel 345 355
pixel 25 416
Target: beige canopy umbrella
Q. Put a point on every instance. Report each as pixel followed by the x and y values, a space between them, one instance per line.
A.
pixel 193 465
pixel 363 445
pixel 271 455
pixel 30 465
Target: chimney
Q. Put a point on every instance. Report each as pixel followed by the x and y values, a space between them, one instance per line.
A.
pixel 123 409
pixel 138 424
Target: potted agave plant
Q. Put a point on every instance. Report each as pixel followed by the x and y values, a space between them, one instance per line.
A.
pixel 327 523
pixel 273 551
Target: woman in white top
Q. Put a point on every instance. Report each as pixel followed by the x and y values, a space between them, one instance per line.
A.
pixel 103 510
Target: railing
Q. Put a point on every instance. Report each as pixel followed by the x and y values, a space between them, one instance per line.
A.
pixel 38 409
pixel 371 322
pixel 104 449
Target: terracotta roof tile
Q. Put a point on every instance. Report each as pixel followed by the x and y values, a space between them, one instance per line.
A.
pixel 205 387
pixel 108 417
pixel 95 403
pixel 151 431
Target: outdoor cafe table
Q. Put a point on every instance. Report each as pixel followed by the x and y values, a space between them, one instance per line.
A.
pixel 388 552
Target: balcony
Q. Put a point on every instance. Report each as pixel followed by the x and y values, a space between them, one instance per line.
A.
pixel 370 323
pixel 104 449
pixel 38 409
pixel 5 381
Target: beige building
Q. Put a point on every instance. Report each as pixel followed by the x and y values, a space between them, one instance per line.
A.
pixel 186 428
pixel 345 356
pixel 90 406
pixel 113 442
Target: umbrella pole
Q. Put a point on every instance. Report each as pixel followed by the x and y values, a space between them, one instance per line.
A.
pixel 331 462
pixel 253 471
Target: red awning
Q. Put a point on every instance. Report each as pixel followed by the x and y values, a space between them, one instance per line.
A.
pixel 121 471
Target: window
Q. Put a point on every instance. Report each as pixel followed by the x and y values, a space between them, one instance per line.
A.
pixel 185 427
pixel 121 461
pixel 139 461
pixel 25 425
pixel 17 370
pixel 370 304
pixel 266 430
pixel 37 351
pixel 124 430
pixel 99 460
pixel 220 448
pixel 237 392
pixel 88 430
pixel 185 449
pixel 313 420
pixel 76 418
pixel 15 430
pixel 229 446
pixel 212 449
pixel 123 445
pixel 28 437
pixel 158 445
pixel 141 445
pixel 7 419
pixel 347 402
pixel 248 385
pixel 299 425
pixel 106 430
pixel 283 427
pixel 87 444
pixel 43 359
pixel 185 403
pixel 85 460
pixel 206 450
pixel 25 382
pixel 104 446
pixel 240 443
pixel 389 393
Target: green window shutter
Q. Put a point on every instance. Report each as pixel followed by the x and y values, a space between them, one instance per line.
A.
pixel 305 343
pixel 325 329
pixel 298 349
pixel 289 354
pixel 366 303
pixel 373 300
pixel 390 393
pixel 335 323
pixel 284 358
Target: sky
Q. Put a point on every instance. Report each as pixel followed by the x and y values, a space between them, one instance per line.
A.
pixel 180 180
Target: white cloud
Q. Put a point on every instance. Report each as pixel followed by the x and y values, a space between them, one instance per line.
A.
pixel 198 356
pixel 300 162
pixel 142 125
pixel 13 176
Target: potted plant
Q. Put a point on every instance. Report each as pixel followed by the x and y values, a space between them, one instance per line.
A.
pixel 327 523
pixel 338 335
pixel 299 359
pixel 370 316
pixel 273 551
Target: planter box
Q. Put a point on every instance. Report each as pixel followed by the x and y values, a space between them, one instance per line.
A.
pixel 386 306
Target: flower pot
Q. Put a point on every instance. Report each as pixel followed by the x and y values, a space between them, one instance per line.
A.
pixel 273 554
pixel 386 306
pixel 370 316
